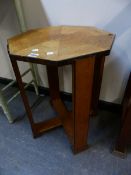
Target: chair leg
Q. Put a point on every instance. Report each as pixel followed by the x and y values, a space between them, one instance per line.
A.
pixel 125 133
pixel 4 105
pixel 34 78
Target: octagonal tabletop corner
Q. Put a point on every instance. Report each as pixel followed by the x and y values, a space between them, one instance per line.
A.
pixel 60 43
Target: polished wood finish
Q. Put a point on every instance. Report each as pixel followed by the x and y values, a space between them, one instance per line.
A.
pixel 61 43
pixel 44 126
pixel 65 115
pixel 99 67
pixel 37 128
pixel 83 71
pixel 85 49
pixel 125 131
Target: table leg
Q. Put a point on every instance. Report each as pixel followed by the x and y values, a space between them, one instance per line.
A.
pixel 40 127
pixel 63 113
pixel 98 72
pixel 83 72
pixel 22 91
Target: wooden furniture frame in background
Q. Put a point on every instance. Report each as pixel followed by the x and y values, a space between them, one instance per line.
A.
pixel 4 102
pixel 125 132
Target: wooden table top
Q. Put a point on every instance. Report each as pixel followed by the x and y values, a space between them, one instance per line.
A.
pixel 60 43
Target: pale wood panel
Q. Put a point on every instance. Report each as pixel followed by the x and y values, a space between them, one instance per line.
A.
pixel 61 43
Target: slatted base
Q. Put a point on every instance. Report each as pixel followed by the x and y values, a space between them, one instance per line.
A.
pixel 41 127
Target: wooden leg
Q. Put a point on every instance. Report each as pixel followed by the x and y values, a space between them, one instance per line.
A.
pixel 125 133
pixel 22 91
pixel 83 71
pixel 37 128
pixel 98 72
pixel 64 114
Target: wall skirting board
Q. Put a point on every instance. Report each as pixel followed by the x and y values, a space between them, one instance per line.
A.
pixel 109 106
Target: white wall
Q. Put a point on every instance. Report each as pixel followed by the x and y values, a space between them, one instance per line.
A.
pixel 8 28
pixel 111 15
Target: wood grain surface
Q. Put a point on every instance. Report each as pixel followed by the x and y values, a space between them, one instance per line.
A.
pixel 60 43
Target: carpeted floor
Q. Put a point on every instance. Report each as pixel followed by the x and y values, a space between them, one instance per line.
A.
pixel 51 154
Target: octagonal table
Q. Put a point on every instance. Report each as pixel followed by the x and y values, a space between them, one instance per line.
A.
pixel 84 48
